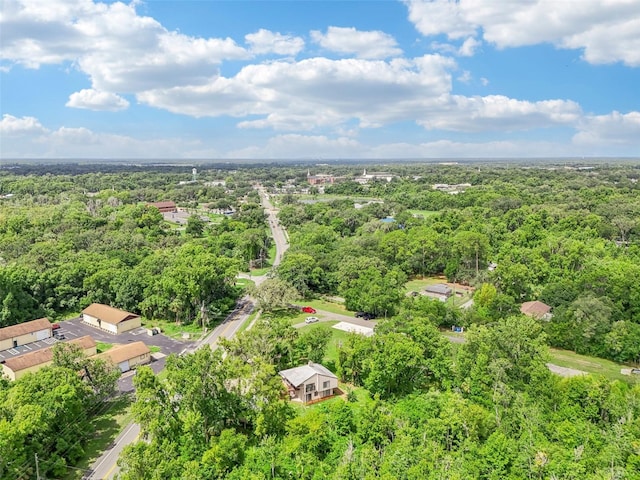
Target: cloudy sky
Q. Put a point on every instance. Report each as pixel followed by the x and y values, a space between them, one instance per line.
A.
pixel 319 79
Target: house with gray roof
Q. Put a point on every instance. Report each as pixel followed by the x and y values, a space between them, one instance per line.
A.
pixel 309 383
pixel 440 291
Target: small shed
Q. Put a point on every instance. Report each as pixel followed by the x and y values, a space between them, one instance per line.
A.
pixel 24 333
pixel 16 367
pixel 310 382
pixel 128 356
pixel 110 319
pixel 441 291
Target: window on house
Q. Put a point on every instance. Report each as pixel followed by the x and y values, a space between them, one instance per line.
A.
pixel 325 385
pixel 310 387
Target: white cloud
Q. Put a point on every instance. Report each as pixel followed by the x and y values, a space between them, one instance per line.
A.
pixel 349 41
pixel 264 41
pixel 315 92
pixel 118 49
pixel 14 126
pixel 607 30
pixel 500 113
pixel 440 17
pixel 469 47
pixel 465 77
pixel 95 100
pixel 26 138
pixel 615 128
pixel 484 81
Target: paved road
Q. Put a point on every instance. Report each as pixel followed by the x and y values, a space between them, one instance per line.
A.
pixel 278 233
pixel 106 466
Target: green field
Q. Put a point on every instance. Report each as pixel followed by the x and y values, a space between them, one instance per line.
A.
pixel 174 330
pixel 417 284
pixel 607 368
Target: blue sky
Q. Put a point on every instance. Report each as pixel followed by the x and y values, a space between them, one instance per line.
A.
pixel 319 79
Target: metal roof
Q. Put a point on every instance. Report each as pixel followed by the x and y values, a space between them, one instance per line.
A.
pixel 298 375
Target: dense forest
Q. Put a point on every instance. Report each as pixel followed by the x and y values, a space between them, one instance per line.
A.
pixel 415 405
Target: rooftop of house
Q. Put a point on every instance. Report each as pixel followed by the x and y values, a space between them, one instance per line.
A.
pixel 298 375
pixel 535 308
pixel 439 288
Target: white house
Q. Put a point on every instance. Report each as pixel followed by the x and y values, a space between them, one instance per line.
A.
pixel 309 382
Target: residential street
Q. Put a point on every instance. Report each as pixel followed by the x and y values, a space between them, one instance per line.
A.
pixel 105 467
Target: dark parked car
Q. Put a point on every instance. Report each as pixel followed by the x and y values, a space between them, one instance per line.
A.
pixel 365 315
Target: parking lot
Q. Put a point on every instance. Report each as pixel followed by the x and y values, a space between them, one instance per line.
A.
pixel 31 347
pixel 75 328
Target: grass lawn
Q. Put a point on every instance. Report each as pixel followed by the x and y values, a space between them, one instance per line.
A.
pixel 248 321
pixel 417 284
pixel 245 282
pixel 105 428
pixel 607 368
pixel 328 306
pixel 423 213
pixel 260 271
pixel 154 349
pixel 173 330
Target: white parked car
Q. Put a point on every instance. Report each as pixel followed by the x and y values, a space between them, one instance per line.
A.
pixel 311 319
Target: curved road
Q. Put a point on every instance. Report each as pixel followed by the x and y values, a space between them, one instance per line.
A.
pixel 105 467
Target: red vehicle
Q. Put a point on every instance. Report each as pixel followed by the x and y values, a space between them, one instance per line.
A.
pixel 55 326
pixel 308 310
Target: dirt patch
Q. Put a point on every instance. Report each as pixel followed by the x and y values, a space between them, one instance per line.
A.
pixel 565 371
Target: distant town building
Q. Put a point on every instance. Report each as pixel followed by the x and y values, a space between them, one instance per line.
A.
pixel 451 189
pixel 322 179
pixel 216 183
pixel 164 207
pixel 366 178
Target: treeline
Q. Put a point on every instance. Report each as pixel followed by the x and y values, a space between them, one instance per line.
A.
pixel 68 241
pixel 568 238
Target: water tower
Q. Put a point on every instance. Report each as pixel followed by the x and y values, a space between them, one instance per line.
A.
pixel 195 173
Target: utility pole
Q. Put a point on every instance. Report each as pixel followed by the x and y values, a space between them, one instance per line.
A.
pixel 37 468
